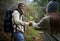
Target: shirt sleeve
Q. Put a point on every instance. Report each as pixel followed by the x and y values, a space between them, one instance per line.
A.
pixel 16 19
pixel 42 24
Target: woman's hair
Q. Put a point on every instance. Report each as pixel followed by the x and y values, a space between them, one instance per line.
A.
pixel 55 23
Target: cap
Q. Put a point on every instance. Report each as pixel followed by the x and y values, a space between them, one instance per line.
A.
pixel 52 6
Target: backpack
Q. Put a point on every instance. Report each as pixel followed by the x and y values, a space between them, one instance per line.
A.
pixel 8 27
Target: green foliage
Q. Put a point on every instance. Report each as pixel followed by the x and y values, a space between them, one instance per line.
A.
pixel 58 5
pixel 28 38
pixel 42 2
pixel 30 33
pixel 32 12
pixel 2 38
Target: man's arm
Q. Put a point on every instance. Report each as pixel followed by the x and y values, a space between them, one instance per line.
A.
pixel 16 16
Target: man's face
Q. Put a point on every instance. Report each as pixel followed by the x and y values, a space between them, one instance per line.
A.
pixel 22 7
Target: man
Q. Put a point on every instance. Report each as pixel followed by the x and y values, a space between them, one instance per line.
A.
pixel 18 23
pixel 50 24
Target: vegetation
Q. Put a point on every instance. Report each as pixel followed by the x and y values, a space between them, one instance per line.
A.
pixel 34 11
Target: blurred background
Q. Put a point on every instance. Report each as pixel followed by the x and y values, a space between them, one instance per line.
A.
pixel 34 11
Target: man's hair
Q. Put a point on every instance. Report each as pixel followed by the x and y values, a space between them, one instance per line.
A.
pixel 20 4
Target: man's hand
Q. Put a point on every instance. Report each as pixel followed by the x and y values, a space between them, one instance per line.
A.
pixel 30 23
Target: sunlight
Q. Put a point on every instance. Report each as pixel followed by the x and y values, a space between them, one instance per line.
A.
pixel 29 0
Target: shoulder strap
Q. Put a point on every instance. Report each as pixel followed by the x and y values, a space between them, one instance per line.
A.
pixel 19 11
pixel 20 16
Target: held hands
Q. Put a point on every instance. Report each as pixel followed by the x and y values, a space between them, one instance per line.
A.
pixel 33 24
pixel 30 23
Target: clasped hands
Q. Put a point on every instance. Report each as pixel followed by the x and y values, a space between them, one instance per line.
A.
pixel 32 23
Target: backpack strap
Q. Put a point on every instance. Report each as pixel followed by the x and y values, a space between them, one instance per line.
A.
pixel 19 18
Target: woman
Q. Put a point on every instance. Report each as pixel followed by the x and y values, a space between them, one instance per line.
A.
pixel 50 24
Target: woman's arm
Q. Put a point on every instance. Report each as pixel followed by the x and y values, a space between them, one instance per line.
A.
pixel 41 23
